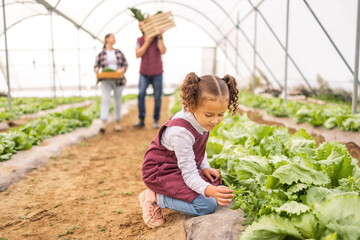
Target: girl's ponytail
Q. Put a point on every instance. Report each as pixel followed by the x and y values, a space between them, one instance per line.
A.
pixel 233 93
pixel 189 91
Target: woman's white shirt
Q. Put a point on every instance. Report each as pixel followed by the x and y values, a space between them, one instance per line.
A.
pixel 111 59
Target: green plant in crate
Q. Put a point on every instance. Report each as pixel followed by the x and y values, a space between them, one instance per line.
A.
pixel 138 15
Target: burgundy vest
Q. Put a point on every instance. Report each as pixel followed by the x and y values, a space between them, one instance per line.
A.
pixel 151 63
pixel 160 171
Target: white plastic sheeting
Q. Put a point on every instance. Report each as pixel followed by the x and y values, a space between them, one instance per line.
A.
pixel 79 27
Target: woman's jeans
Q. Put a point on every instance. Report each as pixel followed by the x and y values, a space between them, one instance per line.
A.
pixel 106 86
pixel 198 207
pixel 156 82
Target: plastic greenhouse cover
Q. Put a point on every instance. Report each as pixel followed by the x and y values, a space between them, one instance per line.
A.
pixel 224 28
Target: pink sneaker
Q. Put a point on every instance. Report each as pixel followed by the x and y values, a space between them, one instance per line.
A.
pixel 152 213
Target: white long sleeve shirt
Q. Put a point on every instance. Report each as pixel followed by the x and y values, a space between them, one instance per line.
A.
pixel 181 141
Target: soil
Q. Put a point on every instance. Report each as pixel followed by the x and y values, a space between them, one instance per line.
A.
pixel 90 191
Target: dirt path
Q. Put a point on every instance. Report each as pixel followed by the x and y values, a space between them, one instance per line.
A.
pixel 89 192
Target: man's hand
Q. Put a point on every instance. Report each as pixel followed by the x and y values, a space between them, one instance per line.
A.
pixel 160 31
pixel 148 39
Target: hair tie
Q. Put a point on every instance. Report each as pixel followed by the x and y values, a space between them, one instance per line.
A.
pixel 226 79
pixel 198 78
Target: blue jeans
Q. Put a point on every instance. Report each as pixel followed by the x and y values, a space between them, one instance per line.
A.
pixel 156 82
pixel 198 207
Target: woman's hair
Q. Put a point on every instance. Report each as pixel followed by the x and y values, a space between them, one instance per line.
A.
pixel 106 37
pixel 193 87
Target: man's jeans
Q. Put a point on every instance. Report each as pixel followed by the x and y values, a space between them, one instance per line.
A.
pixel 106 87
pixel 198 207
pixel 156 82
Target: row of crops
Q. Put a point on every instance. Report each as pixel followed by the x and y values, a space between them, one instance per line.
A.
pixel 52 124
pixel 29 105
pixel 288 187
pixel 329 115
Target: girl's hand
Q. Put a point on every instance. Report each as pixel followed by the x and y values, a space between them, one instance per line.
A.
pixel 222 194
pixel 212 174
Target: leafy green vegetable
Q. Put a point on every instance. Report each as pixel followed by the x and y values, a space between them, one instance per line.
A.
pixel 334 159
pixel 294 173
pixel 328 115
pixel 271 227
pixel 280 180
pixel 308 225
pixel 293 208
pixel 23 106
pixel 214 146
pixel 108 70
pixel 341 214
pixel 24 137
pixel 138 15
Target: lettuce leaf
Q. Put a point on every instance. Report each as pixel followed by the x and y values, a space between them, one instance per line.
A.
pixel 271 227
pixel 341 214
pixel 334 159
pixel 214 146
pixel 301 143
pixel 294 173
pixel 308 225
pixel 293 208
pixel 330 123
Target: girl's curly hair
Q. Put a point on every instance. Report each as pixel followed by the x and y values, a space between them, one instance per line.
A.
pixel 193 87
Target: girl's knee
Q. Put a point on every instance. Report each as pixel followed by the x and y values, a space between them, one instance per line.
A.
pixel 212 205
pixel 209 207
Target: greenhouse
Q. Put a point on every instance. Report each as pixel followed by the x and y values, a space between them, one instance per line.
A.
pixel 250 128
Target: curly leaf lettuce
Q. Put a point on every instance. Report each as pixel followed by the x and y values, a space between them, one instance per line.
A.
pixel 271 227
pixel 293 208
pixel 294 173
pixel 341 214
pixel 308 225
pixel 334 159
pixel 301 143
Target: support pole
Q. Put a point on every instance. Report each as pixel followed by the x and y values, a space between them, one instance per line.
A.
pixel 328 36
pixel 286 49
pixel 254 71
pixel 283 47
pixel 356 74
pixel 214 63
pixel 237 44
pixel 79 65
pixel 7 58
pixel 52 52
pixel 225 53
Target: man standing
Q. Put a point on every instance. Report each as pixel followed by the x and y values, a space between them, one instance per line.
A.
pixel 151 72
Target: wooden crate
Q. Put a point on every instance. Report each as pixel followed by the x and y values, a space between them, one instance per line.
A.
pixel 107 75
pixel 153 24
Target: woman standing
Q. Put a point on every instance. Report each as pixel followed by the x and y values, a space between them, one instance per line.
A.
pixel 114 59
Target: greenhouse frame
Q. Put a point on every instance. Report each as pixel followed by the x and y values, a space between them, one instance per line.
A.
pixel 240 30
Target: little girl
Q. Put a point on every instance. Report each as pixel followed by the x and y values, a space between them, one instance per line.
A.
pixel 175 167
